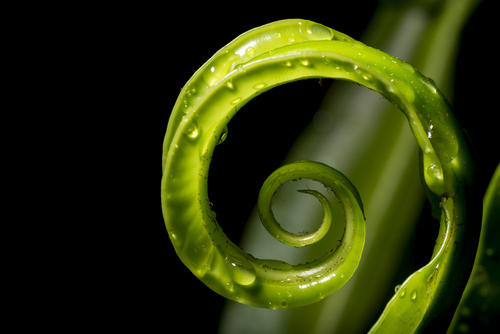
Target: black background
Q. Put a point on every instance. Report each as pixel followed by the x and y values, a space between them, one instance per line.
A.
pixel 134 60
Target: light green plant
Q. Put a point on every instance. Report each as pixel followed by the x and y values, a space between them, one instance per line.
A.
pixel 291 50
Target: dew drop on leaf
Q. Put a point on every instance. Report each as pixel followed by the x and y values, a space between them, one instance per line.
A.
pixel 259 86
pixel 413 296
pixel 305 62
pixel 320 32
pixel 243 273
pixel 250 51
pixel 192 131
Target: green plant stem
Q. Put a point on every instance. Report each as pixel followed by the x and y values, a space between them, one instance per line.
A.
pixel 271 55
pixel 398 30
pixel 480 303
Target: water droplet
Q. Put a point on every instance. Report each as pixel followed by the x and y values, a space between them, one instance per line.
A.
pixel 192 131
pixel 259 86
pixel 236 100
pixel 288 63
pixel 213 75
pixel 396 288
pixel 413 296
pixel 390 88
pixel 223 136
pixel 434 172
pixel 364 75
pixel 250 51
pixel 408 67
pixel 403 293
pixel 230 85
pixel 320 32
pixel 489 252
pixel 429 131
pixel 230 286
pixel 429 83
pixel 342 275
pixel 305 62
pixel 242 271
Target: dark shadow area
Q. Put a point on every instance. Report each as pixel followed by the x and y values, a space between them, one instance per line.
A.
pixel 258 140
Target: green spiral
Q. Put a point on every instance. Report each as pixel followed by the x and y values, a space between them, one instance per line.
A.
pixel 272 55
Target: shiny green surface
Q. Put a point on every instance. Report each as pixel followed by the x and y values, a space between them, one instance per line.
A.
pixel 333 180
pixel 272 55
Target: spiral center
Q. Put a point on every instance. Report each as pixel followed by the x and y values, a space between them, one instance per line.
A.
pixel 308 213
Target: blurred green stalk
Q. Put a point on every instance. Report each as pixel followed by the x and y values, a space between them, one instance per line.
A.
pixel 480 304
pixel 361 134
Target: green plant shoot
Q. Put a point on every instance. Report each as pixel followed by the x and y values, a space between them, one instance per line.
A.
pixel 275 54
